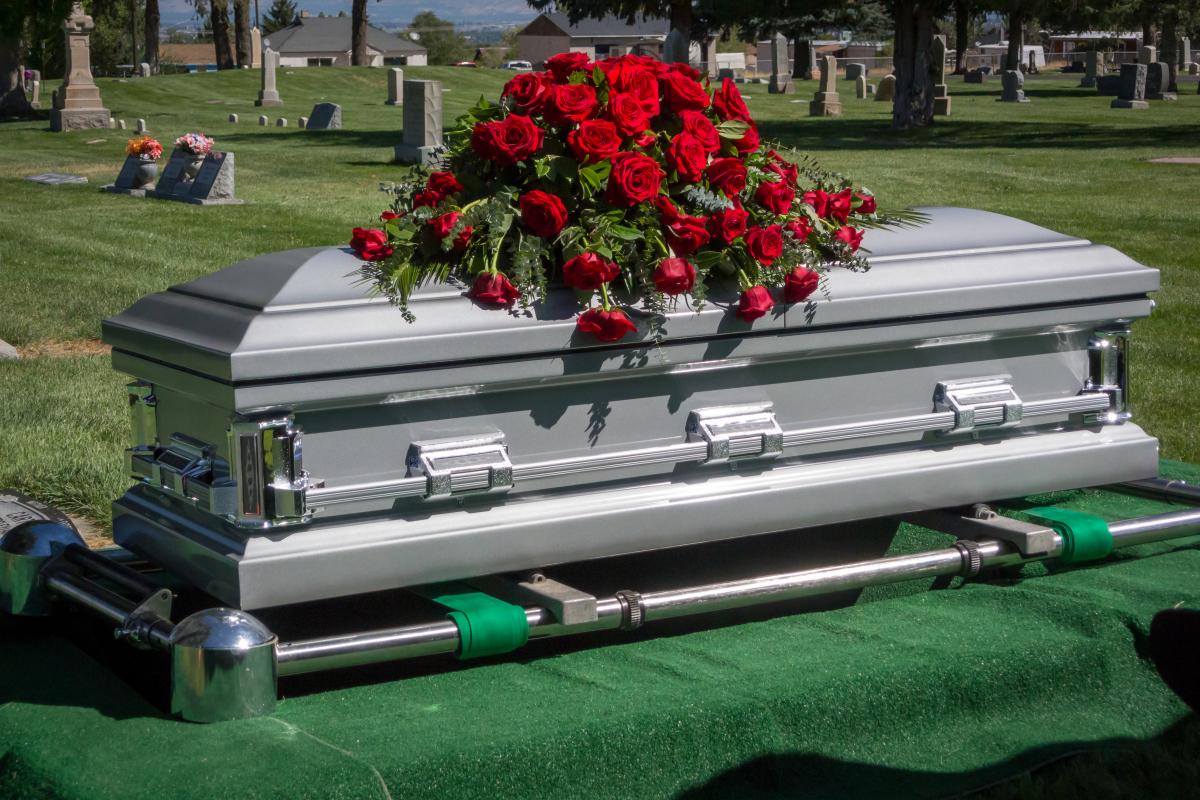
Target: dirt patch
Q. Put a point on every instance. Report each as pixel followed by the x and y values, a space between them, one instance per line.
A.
pixel 67 348
pixel 92 534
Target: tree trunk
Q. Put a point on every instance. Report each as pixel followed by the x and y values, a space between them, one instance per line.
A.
pixel 1016 40
pixel 962 29
pixel 13 102
pixel 1169 52
pixel 1148 33
pixel 358 34
pixel 133 43
pixel 681 16
pixel 912 106
pixel 220 29
pixel 241 32
pixel 151 35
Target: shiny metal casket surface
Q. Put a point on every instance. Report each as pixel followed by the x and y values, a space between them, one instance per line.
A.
pixel 295 439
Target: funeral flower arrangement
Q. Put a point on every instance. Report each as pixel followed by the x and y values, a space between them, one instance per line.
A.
pixel 195 143
pixel 144 147
pixel 628 180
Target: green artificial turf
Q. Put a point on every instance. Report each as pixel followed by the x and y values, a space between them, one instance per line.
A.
pixel 908 693
pixel 70 255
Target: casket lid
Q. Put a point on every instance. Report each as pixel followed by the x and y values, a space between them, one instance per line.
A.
pixel 307 312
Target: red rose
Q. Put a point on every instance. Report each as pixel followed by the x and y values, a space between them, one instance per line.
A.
pixel 388 215
pixel 370 244
pixel 508 141
pixel 686 156
pixel 444 183
pixel 799 284
pixel 819 200
pixel 727 175
pixel 729 104
pixel 851 236
pixel 682 93
pixel 607 326
pixel 634 179
pixel 589 271
pixel 686 70
pixel 674 276
pixel 765 244
pixel 866 204
pixel 494 289
pixel 800 228
pixel 728 225
pixel 627 114
pixel 594 140
pixel 667 212
pixel 426 198
pixel 529 90
pixel 686 234
pixel 543 213
pixel 749 141
pixel 564 65
pixel 775 196
pixel 645 140
pixel 840 205
pixel 698 125
pixel 442 226
pixel 571 102
pixel 754 303
pixel 782 167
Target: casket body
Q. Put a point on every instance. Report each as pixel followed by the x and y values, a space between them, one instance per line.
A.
pixel 296 439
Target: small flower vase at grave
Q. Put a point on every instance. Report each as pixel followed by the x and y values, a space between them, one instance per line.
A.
pixel 191 166
pixel 147 173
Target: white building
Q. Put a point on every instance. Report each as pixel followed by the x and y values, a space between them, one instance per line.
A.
pixel 326 42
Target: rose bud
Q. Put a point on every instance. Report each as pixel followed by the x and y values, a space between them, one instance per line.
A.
pixel 370 244
pixel 686 156
pixel 674 276
pixel 727 175
pixel 594 140
pixel 389 215
pixel 443 184
pixel 728 224
pixel 800 228
pixel 799 284
pixel 682 93
pixel 866 204
pixel 819 200
pixel 765 244
pixel 728 103
pixel 840 205
pixel 775 196
pixel 589 271
pixel 754 303
pixel 543 213
pixel 607 326
pixel 494 289
pixel 851 236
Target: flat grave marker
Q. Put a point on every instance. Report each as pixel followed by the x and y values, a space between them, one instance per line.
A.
pixel 57 179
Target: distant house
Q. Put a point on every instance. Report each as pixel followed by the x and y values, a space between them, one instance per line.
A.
pixel 867 52
pixel 326 42
pixel 552 33
pixel 1072 46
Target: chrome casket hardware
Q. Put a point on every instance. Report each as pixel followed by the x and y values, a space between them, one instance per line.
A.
pixel 735 432
pixel 187 468
pixel 1108 352
pixel 457 466
pixel 980 403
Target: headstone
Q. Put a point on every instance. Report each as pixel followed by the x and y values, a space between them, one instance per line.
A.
pixel 171 180
pixel 302 122
pixel 854 70
pixel 1108 85
pixel 233 118
pixel 8 353
pixel 1133 87
pixel 1157 77
pixel 676 47
pixel 268 95
pixel 826 103
pixel 77 103
pixel 422 134
pixel 860 87
pixel 1183 51
pixel 262 119
pixel 35 91
pixel 1147 54
pixel 975 76
pixel 281 122
pixel 131 180
pixel 1032 66
pixel 887 89
pixel 1095 66
pixel 121 124
pixel 21 77
pixel 941 92
pixel 806 58
pixel 255 48
pixel 144 70
pixel 112 122
pixel 325 117
pixel 723 73
pixel 57 178
pixel 141 126
pixel 1012 84
pixel 871 89
pixel 781 72
pixel 395 87
pixel 213 184
pixel 1193 68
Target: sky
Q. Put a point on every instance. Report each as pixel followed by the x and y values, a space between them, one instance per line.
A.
pixel 514 12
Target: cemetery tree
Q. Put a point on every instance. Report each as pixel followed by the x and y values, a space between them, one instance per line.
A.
pixel 680 12
pixel 150 35
pixel 219 17
pixel 358 34
pixel 444 44
pixel 17 19
pixel 915 21
pixel 281 14
pixel 962 32
pixel 241 32
pixel 1020 13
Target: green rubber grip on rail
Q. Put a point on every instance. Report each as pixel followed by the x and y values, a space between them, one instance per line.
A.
pixel 487 626
pixel 1085 536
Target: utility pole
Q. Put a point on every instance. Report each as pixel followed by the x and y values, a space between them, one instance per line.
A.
pixel 257 24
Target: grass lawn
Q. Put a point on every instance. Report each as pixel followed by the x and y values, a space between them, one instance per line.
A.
pixel 70 255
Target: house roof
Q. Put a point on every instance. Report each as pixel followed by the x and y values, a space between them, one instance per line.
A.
pixel 332 35
pixel 611 25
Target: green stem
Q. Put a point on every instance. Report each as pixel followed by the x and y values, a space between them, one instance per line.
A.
pixel 496 252
pixel 604 296
pixel 744 280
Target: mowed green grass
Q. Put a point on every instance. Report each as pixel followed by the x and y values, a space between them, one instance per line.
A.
pixel 69 256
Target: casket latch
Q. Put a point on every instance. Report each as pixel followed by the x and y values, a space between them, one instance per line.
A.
pixel 457 466
pixel 736 432
pixel 989 402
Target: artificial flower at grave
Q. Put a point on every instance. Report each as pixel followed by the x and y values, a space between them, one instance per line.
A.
pixel 632 182
pixel 144 147
pixel 195 143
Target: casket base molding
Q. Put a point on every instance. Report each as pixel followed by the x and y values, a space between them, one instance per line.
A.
pixel 348 558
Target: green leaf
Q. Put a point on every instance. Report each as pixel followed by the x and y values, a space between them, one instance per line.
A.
pixel 733 129
pixel 625 232
pixel 604 251
pixel 708 258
